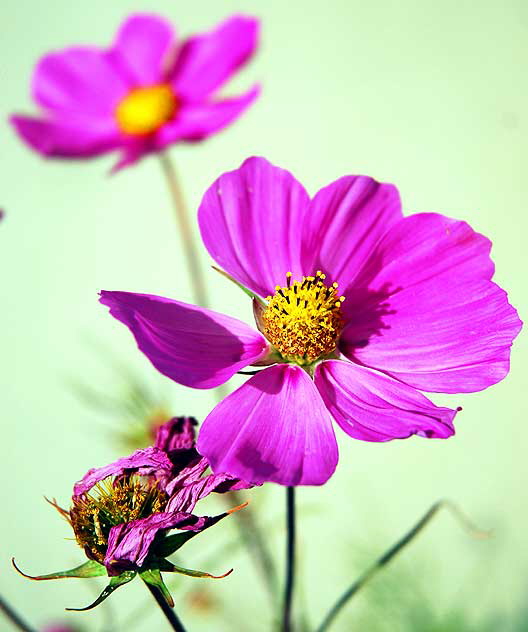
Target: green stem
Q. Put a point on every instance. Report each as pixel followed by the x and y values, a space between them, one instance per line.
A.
pixel 184 227
pixel 169 613
pixel 392 552
pixel 290 559
pixel 14 617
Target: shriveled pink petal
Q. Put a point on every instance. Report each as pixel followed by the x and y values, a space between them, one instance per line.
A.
pixel 206 61
pixel 198 121
pixel 176 434
pixel 142 49
pixel 275 427
pixel 144 462
pixel 251 221
pixel 79 81
pixel 345 221
pixel 185 498
pixel 65 139
pixel 371 406
pixel 441 337
pixel 129 543
pixel 193 346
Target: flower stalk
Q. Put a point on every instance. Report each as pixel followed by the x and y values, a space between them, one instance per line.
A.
pixel 184 228
pixel 290 560
pixel 169 613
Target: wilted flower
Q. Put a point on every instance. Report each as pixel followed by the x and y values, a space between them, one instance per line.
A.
pixel 416 310
pixel 121 513
pixel 142 94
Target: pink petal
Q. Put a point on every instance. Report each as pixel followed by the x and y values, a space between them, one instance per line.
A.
pixel 424 311
pixel 345 221
pixel 275 427
pixel 449 337
pixel 193 346
pixel 371 406
pixel 67 140
pixel 251 221
pixel 198 121
pixel 206 61
pixel 142 49
pixel 129 543
pixel 148 461
pixel 186 497
pixel 79 82
pixel 423 246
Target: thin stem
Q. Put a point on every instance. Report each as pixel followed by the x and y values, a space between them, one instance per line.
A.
pixel 290 559
pixel 184 227
pixel 169 613
pixel 393 551
pixel 15 619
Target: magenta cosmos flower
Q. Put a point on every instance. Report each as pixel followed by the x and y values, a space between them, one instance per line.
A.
pixel 142 94
pixel 357 309
pixel 121 513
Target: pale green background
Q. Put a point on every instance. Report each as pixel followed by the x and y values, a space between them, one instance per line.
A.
pixel 431 96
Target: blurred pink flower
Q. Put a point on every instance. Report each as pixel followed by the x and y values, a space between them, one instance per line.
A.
pixel 142 94
pixel 419 311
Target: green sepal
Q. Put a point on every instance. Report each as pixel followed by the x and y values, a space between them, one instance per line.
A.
pixel 239 285
pixel 169 567
pixel 91 568
pixel 171 543
pixel 115 583
pixel 153 577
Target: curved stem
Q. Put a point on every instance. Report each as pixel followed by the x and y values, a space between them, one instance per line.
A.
pixel 290 559
pixel 184 227
pixel 14 617
pixel 393 551
pixel 169 613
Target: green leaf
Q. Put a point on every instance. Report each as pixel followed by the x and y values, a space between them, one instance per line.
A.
pixel 90 568
pixel 169 567
pixel 171 543
pixel 114 584
pixel 242 287
pixel 153 577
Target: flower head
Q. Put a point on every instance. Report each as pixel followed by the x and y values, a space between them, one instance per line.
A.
pixel 121 513
pixel 140 95
pixel 357 309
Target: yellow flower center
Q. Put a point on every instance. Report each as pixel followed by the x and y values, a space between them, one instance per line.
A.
pixel 145 110
pixel 112 502
pixel 303 320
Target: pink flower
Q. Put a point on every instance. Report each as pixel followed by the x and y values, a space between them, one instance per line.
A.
pixel 415 310
pixel 142 94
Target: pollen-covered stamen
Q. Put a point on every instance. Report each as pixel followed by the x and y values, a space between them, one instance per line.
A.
pixel 303 320
pixel 144 110
pixel 109 503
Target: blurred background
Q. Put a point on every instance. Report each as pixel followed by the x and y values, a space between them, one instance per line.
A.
pixel 430 96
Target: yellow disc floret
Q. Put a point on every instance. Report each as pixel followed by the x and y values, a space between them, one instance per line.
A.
pixel 303 320
pixel 145 110
pixel 111 502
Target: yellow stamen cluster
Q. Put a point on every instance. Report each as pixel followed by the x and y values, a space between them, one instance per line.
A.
pixel 109 503
pixel 303 320
pixel 144 110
